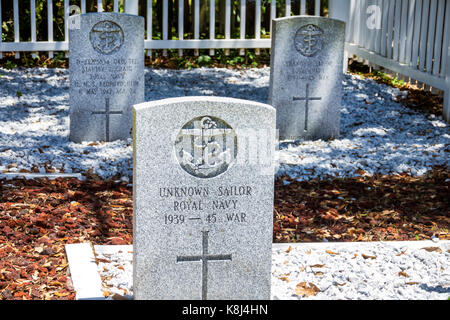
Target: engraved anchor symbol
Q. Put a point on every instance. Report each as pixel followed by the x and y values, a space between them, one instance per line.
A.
pixel 106 37
pixel 205 142
pixel 310 39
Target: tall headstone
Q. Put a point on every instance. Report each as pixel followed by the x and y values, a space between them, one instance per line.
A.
pixel 203 198
pixel 106 74
pixel 306 76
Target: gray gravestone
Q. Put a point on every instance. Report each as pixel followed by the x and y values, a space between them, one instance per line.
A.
pixel 203 198
pixel 106 74
pixel 306 76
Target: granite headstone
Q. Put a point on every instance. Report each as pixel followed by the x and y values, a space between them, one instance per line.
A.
pixel 203 186
pixel 106 74
pixel 306 76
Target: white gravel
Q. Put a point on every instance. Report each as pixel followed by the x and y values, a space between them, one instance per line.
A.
pixel 378 135
pixel 414 270
pixel 364 271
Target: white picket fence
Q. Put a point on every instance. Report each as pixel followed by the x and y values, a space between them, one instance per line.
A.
pixel 131 6
pixel 407 37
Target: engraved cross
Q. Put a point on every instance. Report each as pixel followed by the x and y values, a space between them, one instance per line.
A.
pixel 205 257
pixel 307 98
pixel 107 112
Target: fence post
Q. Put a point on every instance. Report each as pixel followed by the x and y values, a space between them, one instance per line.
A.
pixel 446 106
pixel 340 9
pixel 131 7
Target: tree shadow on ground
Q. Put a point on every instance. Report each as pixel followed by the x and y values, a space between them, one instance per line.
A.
pixel 437 288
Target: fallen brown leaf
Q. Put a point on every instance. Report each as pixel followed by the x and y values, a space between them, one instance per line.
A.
pixel 431 249
pixel 61 294
pixel 116 296
pixel 304 289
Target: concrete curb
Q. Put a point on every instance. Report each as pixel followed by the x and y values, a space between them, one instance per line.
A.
pixel 393 244
pixel 83 272
pixel 28 176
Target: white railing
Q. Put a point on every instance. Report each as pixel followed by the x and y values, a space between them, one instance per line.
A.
pixel 408 37
pixel 131 6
